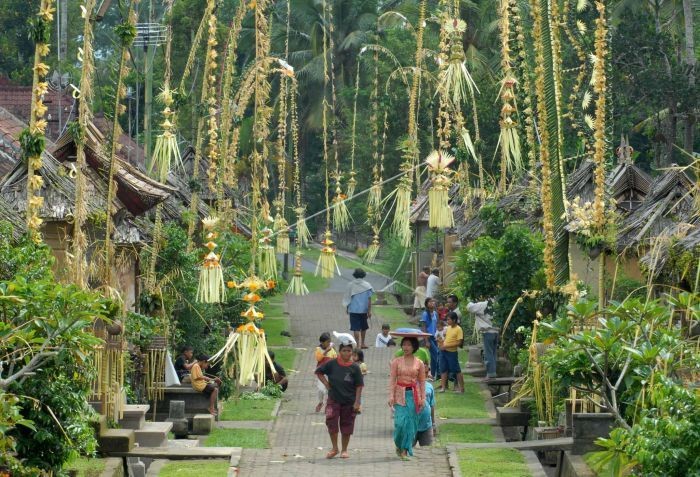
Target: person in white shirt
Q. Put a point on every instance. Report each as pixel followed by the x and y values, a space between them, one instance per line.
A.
pixel 483 321
pixel 433 285
pixel 384 340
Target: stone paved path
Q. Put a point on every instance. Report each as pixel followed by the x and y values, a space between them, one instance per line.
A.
pixel 299 439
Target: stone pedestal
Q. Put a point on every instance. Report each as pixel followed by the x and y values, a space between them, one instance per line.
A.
pixel 381 298
pixel 177 418
pixel 202 424
pixel 587 427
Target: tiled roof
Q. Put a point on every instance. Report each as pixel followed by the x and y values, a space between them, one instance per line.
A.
pixel 17 100
pixel 10 149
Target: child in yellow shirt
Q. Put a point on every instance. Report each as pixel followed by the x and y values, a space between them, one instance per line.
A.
pixel 324 352
pixel 449 362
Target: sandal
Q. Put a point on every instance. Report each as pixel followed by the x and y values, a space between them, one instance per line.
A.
pixel 364 347
pixel 332 453
pixel 344 455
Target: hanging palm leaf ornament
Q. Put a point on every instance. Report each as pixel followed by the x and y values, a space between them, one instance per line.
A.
pixel 211 288
pixel 438 194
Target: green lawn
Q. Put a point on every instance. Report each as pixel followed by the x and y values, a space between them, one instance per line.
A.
pixel 182 468
pixel 86 467
pixel 488 462
pixel 246 438
pixel 286 357
pixel 451 433
pixel 273 327
pixel 248 410
pixel 314 283
pixel 392 315
pixel 461 406
pixel 273 310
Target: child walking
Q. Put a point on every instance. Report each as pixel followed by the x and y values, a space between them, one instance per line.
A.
pixel 454 339
pixel 324 353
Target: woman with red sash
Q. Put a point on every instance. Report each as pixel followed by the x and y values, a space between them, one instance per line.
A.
pixel 406 396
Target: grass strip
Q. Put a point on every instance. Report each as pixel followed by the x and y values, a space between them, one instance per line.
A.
pixel 248 410
pixel 273 327
pixel 194 467
pixel 246 438
pixel 469 405
pixel 286 357
pixel 452 433
pixel 86 467
pixel 488 462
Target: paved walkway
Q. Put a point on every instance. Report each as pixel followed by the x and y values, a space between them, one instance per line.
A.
pixel 299 439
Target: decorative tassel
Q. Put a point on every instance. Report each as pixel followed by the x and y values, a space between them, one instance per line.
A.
pixel 372 250
pixel 282 230
pixel 455 79
pixel 296 285
pixel 166 149
pixel 303 234
pixel 438 195
pixel 375 198
pixel 401 226
pixel 341 215
pixel 267 261
pixel 283 241
pixel 352 184
pixel 327 263
pixel 247 343
pixel 211 288
pixel 508 139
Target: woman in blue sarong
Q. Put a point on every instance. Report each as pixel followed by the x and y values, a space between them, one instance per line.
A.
pixel 406 396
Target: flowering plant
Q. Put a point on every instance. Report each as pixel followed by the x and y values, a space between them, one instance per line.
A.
pixel 581 221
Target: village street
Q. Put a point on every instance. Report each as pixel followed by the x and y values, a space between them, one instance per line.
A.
pixel 299 439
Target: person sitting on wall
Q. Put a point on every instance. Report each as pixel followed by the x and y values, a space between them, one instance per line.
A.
pixel 204 384
pixel 184 363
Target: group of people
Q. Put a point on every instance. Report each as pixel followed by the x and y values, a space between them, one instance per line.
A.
pixel 411 396
pixel 193 371
pixel 341 381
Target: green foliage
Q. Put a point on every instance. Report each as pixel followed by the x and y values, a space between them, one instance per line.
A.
pixel 501 268
pixel 494 219
pixel 140 329
pixel 126 32
pixel 45 341
pixel 32 144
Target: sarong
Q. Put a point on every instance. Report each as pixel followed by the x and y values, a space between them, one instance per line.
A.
pixel 405 424
pixel 419 300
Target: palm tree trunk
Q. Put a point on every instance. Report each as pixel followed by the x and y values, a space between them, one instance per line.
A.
pixel 690 61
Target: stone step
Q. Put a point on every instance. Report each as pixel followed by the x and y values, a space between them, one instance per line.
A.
pixel 134 416
pixel 560 444
pixel 510 416
pixel 153 434
pixel 184 453
pixel 114 441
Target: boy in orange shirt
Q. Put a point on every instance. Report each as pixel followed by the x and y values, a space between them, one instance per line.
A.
pixel 449 362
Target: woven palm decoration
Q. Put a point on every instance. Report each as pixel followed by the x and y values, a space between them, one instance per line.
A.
pixel 267 261
pixel 211 288
pixel 296 284
pixel 327 263
pixel 247 345
pixel 372 251
pixel 438 194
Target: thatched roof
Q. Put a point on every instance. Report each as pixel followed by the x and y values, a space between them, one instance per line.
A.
pixel 670 202
pixel 135 189
pixel 7 213
pixel 518 203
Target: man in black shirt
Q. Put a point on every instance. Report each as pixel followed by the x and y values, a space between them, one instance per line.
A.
pixel 279 375
pixel 343 379
pixel 184 363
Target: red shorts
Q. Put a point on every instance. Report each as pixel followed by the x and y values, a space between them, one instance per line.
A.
pixel 340 416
